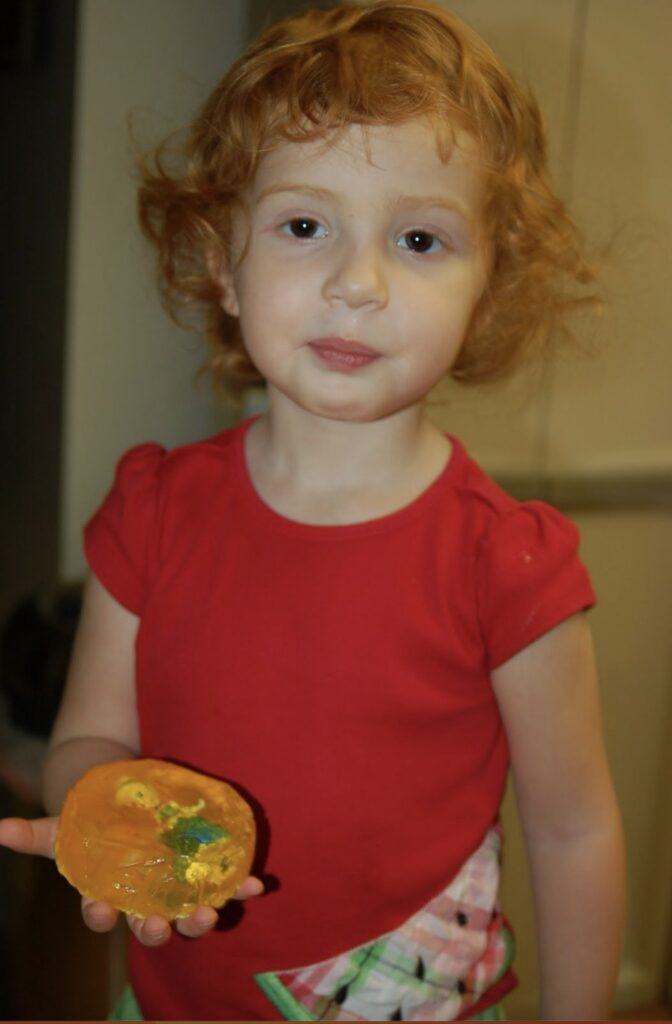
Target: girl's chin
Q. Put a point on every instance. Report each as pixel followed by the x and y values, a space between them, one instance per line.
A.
pixel 339 400
pixel 329 406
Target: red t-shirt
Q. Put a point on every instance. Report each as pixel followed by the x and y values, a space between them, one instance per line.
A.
pixel 339 676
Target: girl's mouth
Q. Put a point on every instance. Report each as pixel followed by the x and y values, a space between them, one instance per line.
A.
pixel 343 354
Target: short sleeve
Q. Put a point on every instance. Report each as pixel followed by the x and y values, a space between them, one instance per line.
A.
pixel 117 538
pixel 530 578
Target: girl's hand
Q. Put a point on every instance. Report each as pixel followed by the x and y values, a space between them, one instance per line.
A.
pixel 38 837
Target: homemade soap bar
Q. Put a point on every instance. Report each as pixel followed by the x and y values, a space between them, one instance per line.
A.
pixel 151 837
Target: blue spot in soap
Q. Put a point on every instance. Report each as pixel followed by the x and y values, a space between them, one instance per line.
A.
pixel 187 834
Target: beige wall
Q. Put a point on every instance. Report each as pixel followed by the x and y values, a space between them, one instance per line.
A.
pixel 601 71
pixel 129 370
pixel 506 427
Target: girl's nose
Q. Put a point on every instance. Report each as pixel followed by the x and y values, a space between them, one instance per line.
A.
pixel 358 278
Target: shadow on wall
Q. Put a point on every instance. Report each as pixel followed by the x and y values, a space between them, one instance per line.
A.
pixel 264 12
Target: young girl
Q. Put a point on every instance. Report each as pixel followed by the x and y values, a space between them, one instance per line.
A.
pixel 331 605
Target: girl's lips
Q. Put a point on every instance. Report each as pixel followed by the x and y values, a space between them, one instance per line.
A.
pixel 342 354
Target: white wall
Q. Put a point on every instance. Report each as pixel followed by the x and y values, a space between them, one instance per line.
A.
pixel 129 370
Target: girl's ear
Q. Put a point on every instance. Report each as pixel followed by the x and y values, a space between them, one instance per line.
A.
pixel 219 271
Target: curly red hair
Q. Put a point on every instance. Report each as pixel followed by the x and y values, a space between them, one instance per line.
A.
pixel 310 76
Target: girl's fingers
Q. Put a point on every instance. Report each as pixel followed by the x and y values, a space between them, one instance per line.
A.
pixel 155 930
pixel 150 931
pixel 102 917
pixel 37 836
pixel 250 887
pixel 201 921
pixel 98 916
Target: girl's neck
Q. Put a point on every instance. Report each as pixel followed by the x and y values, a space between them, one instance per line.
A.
pixel 322 471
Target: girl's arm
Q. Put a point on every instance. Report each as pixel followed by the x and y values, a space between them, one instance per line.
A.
pixel 549 700
pixel 97 722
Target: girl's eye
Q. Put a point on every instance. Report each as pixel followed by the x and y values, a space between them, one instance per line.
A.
pixel 419 241
pixel 304 227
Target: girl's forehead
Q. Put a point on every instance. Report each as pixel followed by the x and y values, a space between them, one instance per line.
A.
pixel 396 157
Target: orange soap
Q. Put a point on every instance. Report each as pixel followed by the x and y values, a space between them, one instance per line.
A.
pixel 150 837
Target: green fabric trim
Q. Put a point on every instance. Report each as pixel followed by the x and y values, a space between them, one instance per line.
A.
pixel 510 943
pixel 362 962
pixel 126 1007
pixel 493 1013
pixel 281 998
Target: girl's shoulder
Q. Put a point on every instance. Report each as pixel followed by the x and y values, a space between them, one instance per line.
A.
pixel 158 500
pixel 151 466
pixel 526 568
pixel 500 519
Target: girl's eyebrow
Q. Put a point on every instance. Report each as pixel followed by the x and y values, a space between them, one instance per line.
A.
pixel 311 190
pixel 452 206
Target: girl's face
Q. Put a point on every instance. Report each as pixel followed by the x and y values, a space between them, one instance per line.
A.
pixel 363 265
